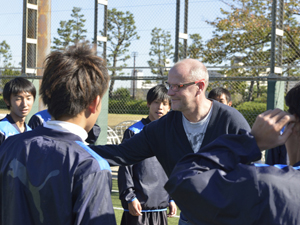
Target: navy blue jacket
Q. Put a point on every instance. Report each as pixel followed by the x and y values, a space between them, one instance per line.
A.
pixel 8 128
pixel 52 177
pixel 166 139
pixel 144 180
pixel 218 186
pixel 43 116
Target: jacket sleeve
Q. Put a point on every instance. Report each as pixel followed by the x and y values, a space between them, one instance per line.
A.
pixel 131 151
pixel 125 176
pixel 34 122
pixel 91 197
pixel 210 181
pixel 126 184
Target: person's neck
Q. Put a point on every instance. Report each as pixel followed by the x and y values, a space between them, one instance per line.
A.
pixel 79 120
pixel 200 112
pixel 19 121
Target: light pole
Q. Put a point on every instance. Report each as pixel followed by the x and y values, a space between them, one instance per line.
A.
pixel 134 54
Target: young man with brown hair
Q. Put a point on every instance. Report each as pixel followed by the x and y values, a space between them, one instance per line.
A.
pixel 48 175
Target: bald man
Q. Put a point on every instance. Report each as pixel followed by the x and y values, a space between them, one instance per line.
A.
pixel 194 122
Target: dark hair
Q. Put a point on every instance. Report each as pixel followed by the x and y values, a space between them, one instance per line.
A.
pixel 217 92
pixel 159 92
pixel 292 100
pixel 72 79
pixel 16 86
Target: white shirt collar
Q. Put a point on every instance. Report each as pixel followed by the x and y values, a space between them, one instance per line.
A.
pixel 67 127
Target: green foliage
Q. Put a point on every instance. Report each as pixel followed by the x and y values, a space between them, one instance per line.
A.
pixel 5 62
pixel 121 31
pixel 161 49
pixel 121 93
pixel 70 31
pixel 195 50
pixel 242 38
pixel 5 54
pixel 250 110
pixel 128 106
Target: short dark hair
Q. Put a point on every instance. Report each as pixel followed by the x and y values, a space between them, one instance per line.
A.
pixel 159 92
pixel 217 92
pixel 72 79
pixel 292 100
pixel 16 86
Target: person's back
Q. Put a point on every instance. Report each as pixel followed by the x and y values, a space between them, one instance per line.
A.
pixel 52 177
pixel 48 175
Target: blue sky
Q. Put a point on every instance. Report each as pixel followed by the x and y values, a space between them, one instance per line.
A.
pixel 148 14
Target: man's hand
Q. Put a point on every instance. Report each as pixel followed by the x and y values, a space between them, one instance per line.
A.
pixel 172 209
pixel 267 126
pixel 135 208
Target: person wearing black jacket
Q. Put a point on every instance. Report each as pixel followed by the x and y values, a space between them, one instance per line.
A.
pixel 48 175
pixel 193 122
pixel 142 194
pixel 218 186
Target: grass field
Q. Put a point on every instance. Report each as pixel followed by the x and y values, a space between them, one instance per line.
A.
pixel 118 207
pixel 115 119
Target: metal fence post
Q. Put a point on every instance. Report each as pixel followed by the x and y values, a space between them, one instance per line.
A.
pixel 276 88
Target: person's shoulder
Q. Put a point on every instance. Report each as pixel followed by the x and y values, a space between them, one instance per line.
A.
pixel 100 163
pixel 136 127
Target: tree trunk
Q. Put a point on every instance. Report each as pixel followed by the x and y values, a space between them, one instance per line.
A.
pixel 258 89
pixel 250 97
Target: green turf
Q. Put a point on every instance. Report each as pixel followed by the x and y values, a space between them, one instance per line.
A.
pixel 117 204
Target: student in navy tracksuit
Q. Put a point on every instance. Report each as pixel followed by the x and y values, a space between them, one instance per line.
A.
pixel 218 186
pixel 142 194
pixel 19 95
pixel 48 175
pixel 39 118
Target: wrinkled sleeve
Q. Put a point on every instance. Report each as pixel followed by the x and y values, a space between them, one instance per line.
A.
pixel 131 151
pixel 126 184
pixel 125 176
pixel 210 186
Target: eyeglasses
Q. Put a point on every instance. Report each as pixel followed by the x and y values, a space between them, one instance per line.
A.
pixel 176 87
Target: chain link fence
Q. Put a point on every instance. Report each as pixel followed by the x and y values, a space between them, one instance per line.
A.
pixel 233 38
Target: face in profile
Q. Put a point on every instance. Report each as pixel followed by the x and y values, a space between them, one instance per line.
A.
pixel 20 104
pixel 158 108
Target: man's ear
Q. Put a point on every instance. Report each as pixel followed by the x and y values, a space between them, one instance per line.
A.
pixel 94 105
pixel 230 103
pixel 201 85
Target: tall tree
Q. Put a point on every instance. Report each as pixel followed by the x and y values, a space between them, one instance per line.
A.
pixel 121 31
pixel 70 31
pixel 195 49
pixel 244 32
pixel 5 63
pixel 5 54
pixel 161 49
pixel 78 25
